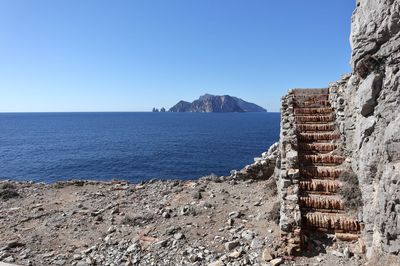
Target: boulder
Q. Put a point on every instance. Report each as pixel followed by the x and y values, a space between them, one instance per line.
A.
pixel 368 92
pixel 267 255
pixel 231 245
pixel 276 262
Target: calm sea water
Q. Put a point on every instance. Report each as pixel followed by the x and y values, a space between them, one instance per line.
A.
pixel 133 146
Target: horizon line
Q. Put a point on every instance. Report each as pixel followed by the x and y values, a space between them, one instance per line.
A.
pixel 33 112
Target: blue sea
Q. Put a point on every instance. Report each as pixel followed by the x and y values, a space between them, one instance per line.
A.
pixel 48 147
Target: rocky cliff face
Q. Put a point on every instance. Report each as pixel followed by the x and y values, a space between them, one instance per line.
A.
pixel 367 111
pixel 368 103
pixel 216 104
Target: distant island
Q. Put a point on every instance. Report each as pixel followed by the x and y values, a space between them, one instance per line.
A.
pixel 216 104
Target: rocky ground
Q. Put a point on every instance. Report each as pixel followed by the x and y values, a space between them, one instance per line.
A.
pixel 203 222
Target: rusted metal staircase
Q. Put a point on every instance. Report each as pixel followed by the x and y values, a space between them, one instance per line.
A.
pixel 322 208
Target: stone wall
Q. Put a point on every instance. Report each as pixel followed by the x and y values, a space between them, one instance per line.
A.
pixel 368 109
pixel 287 177
pixel 262 168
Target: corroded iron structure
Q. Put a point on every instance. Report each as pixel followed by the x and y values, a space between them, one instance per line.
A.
pixel 311 164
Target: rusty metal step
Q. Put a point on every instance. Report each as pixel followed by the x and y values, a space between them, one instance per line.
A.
pixel 317 147
pixel 330 222
pixel 312 111
pixel 312 96
pixel 313 119
pixel 322 202
pixel 311 137
pixel 320 172
pixel 319 186
pixel 299 99
pixel 315 103
pixel 322 209
pixel 312 101
pixel 347 236
pixel 315 127
pixel 321 159
pixel 310 91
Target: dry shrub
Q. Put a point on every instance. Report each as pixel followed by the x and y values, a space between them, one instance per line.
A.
pixel 350 191
pixel 275 212
pixel 59 185
pixel 271 188
pixel 137 220
pixel 8 191
pixel 7 186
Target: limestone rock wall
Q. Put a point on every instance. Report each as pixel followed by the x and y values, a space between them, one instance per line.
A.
pixel 368 110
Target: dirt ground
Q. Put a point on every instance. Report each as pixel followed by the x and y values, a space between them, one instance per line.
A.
pixel 203 222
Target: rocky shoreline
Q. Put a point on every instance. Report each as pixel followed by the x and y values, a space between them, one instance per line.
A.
pixel 210 221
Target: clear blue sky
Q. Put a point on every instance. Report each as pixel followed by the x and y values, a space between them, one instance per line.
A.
pixel 131 55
